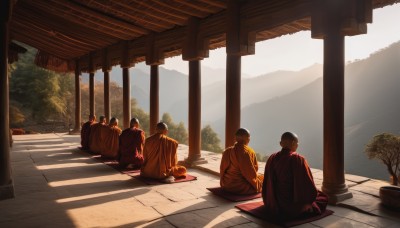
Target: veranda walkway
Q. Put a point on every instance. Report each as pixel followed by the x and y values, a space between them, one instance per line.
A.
pixel 59 186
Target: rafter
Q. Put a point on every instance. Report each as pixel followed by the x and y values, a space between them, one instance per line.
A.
pixel 59 25
pixel 156 25
pixel 215 3
pixel 102 17
pixel 158 15
pixel 171 8
pixel 194 5
pixel 89 24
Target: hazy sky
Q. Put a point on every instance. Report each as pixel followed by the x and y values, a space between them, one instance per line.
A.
pixel 297 51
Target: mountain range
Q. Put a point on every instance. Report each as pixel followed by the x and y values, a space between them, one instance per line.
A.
pixel 291 101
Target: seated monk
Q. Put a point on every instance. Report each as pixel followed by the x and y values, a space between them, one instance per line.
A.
pixel 239 167
pixel 160 156
pixel 110 144
pixel 288 189
pixel 131 145
pixel 95 137
pixel 85 132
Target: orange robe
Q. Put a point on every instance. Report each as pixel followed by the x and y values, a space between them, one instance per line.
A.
pixel 96 137
pixel 131 147
pixel 160 158
pixel 85 134
pixel 238 170
pixel 110 144
pixel 289 189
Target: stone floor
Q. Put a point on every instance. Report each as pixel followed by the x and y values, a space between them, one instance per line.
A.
pixel 56 185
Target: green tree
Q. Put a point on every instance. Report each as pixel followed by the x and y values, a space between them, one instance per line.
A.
pixel 386 147
pixel 175 131
pixel 38 89
pixel 210 140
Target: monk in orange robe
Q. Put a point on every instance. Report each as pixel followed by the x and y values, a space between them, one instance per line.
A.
pixel 131 145
pixel 160 156
pixel 95 137
pixel 85 132
pixel 288 189
pixel 239 167
pixel 110 144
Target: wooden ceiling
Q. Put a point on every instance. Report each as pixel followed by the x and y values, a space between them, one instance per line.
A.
pixel 66 30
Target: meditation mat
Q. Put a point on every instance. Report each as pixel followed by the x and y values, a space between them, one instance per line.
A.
pixel 257 209
pixel 115 164
pixel 151 181
pixel 232 196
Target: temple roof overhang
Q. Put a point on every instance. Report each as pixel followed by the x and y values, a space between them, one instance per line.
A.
pixel 95 32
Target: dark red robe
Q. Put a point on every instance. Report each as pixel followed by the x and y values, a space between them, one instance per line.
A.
pixel 131 147
pixel 85 134
pixel 288 188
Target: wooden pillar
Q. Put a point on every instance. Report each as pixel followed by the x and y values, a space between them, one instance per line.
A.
pixel 194 111
pixel 91 94
pixel 233 72
pixel 77 127
pixel 154 100
pixel 107 105
pixel 106 70
pixel 126 96
pixel 6 184
pixel 233 96
pixel 331 21
pixel 333 91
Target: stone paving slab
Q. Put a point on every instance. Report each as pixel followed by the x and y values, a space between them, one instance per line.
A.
pixel 58 185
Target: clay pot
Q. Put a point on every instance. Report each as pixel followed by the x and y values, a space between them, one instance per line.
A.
pixel 390 196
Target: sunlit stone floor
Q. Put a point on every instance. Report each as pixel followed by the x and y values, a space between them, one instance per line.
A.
pixel 57 185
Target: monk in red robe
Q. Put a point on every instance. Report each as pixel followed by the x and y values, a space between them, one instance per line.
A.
pixel 95 137
pixel 238 169
pixel 131 146
pixel 85 132
pixel 160 156
pixel 110 144
pixel 288 189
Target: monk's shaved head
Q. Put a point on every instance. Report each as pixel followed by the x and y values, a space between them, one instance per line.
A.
pixel 161 126
pixel 102 119
pixel 92 117
pixel 134 122
pixel 242 132
pixel 242 135
pixel 289 140
pixel 113 121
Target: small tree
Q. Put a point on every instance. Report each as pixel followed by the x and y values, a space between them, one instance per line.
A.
pixel 386 147
pixel 210 140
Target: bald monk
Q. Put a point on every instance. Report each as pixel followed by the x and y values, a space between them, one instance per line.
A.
pixel 95 137
pixel 239 167
pixel 131 145
pixel 288 189
pixel 160 156
pixel 85 132
pixel 110 144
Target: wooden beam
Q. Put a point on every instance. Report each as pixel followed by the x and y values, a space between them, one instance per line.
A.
pixel 157 26
pixel 180 10
pixel 82 20
pixel 59 24
pixel 159 15
pixel 215 3
pixel 78 8
pixel 195 5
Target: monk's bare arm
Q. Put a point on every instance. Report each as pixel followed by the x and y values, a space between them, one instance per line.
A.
pixel 248 169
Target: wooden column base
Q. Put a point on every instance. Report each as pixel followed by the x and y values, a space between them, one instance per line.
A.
pixel 7 191
pixel 192 163
pixel 336 193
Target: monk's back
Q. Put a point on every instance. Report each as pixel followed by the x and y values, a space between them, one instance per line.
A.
pixel 111 141
pixel 239 170
pixel 159 156
pixel 131 141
